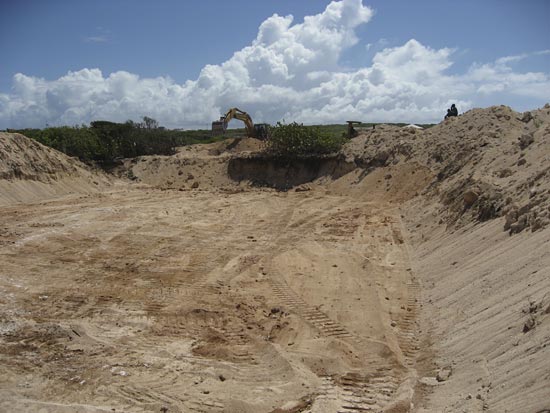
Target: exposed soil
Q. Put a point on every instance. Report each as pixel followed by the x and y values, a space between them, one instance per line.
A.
pixel 30 172
pixel 409 273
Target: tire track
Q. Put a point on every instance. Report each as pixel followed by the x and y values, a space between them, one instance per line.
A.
pixel 314 316
pixel 149 395
pixel 408 337
pixel 165 389
pixel 407 327
pixel 363 393
pixel 354 392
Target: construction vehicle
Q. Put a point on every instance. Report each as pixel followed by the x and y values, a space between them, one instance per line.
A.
pixel 258 131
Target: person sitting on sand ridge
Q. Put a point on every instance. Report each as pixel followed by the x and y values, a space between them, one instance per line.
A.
pixel 453 111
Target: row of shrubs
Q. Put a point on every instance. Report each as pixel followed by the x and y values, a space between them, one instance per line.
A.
pixel 105 141
pixel 295 139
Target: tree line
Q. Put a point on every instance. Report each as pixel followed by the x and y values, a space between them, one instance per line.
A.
pixel 104 142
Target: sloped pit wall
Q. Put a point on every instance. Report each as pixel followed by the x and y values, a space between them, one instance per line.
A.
pixel 285 173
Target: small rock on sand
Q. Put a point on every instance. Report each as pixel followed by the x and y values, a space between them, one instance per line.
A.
pixel 443 374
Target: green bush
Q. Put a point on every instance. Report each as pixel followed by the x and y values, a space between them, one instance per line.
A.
pixel 105 141
pixel 298 140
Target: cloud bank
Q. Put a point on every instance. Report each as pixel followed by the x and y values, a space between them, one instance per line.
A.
pixel 289 71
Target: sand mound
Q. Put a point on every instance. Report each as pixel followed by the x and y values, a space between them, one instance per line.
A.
pixel 30 171
pixel 486 163
pixel 486 301
pixel 203 166
pixel 225 147
pixel 24 158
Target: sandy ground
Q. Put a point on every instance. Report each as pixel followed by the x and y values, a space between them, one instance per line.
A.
pixel 245 302
pixel 410 273
pixel 486 313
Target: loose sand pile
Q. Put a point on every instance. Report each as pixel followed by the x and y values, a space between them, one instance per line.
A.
pixel 192 167
pixel 30 171
pixel 408 273
pixel 486 163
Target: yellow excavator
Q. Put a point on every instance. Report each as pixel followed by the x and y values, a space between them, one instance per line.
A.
pixel 258 131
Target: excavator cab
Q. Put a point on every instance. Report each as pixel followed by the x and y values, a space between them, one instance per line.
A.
pixel 261 131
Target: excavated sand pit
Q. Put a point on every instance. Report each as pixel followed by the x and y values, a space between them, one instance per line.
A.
pixel 141 300
pixel 409 273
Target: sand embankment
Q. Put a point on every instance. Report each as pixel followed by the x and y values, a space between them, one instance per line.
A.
pixel 30 171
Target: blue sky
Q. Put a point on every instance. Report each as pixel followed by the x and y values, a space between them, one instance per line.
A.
pixel 174 41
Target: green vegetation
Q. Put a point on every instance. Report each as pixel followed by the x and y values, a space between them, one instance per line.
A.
pixel 295 139
pixel 104 141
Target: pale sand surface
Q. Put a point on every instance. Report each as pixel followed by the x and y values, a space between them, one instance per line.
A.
pixel 378 285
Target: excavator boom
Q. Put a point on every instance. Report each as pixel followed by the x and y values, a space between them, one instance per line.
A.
pixel 259 131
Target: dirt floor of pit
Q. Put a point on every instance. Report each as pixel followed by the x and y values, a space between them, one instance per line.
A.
pixel 257 301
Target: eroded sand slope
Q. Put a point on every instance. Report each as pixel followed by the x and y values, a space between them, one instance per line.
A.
pixel 30 171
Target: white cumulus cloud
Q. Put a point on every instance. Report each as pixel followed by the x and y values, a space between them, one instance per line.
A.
pixel 289 71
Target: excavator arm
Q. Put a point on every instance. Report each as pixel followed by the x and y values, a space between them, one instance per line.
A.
pixel 236 113
pixel 254 131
